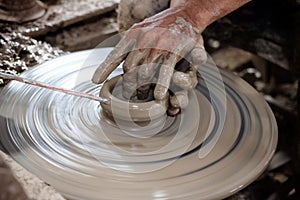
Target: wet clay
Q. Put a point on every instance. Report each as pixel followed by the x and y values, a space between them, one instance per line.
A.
pixel 117 105
pixel 141 61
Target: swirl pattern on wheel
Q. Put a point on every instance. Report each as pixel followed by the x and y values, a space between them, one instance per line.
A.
pixel 67 141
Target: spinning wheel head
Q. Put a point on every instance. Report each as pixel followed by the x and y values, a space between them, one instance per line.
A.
pixel 71 143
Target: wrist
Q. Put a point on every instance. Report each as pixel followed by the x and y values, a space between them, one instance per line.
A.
pixel 175 3
pixel 202 13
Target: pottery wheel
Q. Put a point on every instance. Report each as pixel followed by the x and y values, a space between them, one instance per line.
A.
pixel 219 144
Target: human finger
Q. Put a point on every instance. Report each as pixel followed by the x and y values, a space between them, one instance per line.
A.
pixel 165 75
pixel 198 54
pixel 146 72
pixel 173 111
pixel 112 61
pixel 130 72
pixel 186 80
pixel 179 99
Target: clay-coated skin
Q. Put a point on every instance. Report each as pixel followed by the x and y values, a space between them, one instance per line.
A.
pixel 157 44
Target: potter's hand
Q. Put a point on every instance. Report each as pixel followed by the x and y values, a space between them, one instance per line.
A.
pixel 159 42
pixel 184 79
pixel 156 44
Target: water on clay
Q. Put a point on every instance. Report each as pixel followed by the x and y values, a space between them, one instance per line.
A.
pixel 118 90
pixel 67 142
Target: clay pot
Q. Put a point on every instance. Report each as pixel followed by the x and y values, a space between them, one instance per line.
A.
pixel 21 10
pixel 119 108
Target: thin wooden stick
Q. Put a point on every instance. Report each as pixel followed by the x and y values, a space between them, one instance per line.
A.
pixel 42 85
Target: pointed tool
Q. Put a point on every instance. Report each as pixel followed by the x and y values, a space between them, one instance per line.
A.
pixel 46 86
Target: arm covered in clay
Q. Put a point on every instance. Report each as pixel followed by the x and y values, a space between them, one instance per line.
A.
pixel 152 48
pixel 205 12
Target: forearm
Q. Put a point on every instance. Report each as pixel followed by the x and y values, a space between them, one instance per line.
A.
pixel 204 12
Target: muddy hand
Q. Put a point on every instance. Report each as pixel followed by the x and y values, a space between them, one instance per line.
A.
pixel 156 44
pixel 185 78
